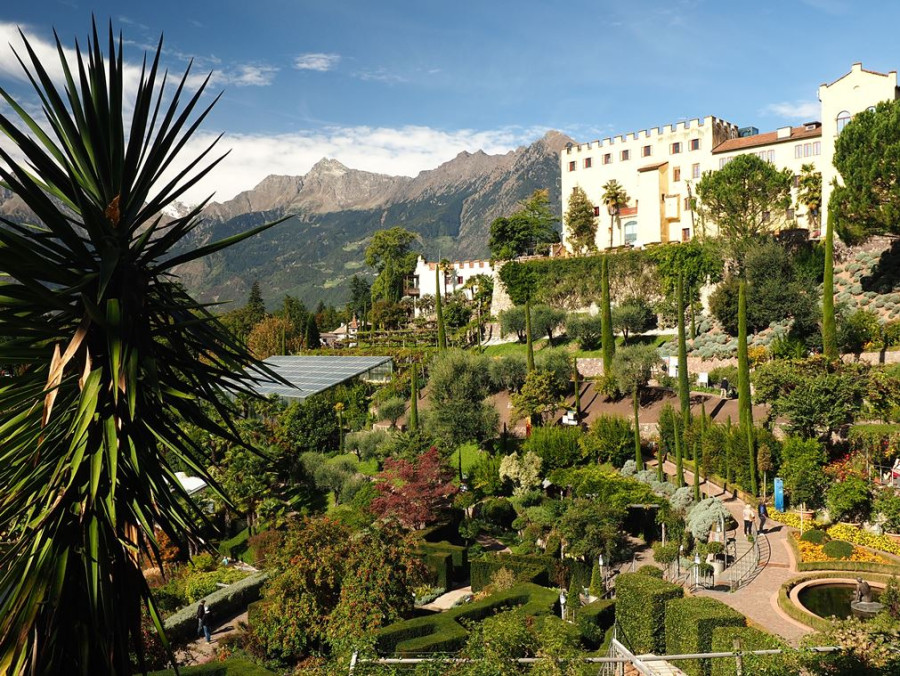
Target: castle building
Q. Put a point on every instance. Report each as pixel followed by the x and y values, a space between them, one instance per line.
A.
pixel 659 168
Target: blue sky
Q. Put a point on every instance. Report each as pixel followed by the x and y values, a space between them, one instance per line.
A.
pixel 398 86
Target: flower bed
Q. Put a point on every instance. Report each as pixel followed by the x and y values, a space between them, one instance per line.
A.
pixel 812 553
pixel 793 520
pixel 858 536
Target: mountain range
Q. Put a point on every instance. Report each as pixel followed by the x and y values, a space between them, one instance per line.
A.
pixel 332 212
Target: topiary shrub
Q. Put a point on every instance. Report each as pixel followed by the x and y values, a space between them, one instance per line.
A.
pixel 689 629
pixel 723 640
pixel 641 611
pixel 817 537
pixel 497 512
pixel 651 570
pixel 593 621
pixel 838 549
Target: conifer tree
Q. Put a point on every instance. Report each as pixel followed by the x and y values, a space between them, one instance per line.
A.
pixel 679 458
pixel 438 308
pixel 684 388
pixel 596 587
pixel 311 337
pixel 745 406
pixel 414 399
pixel 529 340
pixel 581 224
pixel 829 328
pixel 256 307
pixel 609 346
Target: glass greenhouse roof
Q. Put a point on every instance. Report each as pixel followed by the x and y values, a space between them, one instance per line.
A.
pixel 309 375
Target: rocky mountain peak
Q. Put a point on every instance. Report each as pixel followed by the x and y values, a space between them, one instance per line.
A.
pixel 327 167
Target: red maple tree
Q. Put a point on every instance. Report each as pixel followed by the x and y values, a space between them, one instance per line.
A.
pixel 416 493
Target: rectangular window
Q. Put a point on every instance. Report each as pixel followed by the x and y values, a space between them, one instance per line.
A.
pixel 789 214
pixel 807 149
pixel 695 171
pixel 695 144
pixel 771 156
pixel 630 232
pixel 676 174
pixel 687 203
pixel 596 211
pixel 817 148
pixel 796 180
pixel 676 148
pixel 587 162
pixel 685 234
pixel 626 155
pixel 645 151
pixel 798 152
pixel 607 158
pixel 572 165
pixel 722 162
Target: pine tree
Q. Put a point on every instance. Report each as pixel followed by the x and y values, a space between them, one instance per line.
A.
pixel 745 405
pixel 438 308
pixel 414 399
pixel 609 346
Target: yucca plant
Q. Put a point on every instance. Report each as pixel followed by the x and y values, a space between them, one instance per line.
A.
pixel 111 357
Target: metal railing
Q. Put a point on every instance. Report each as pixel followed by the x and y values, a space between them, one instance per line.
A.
pixel 746 567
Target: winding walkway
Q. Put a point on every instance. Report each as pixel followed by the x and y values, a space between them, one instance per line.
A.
pixel 757 600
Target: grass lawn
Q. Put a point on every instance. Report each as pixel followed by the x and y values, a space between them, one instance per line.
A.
pixel 234 666
pixel 368 467
pixel 470 455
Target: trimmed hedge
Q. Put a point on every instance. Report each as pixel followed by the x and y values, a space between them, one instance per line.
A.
pixel 452 569
pixel 816 536
pixel 751 639
pixel 233 666
pixel 838 549
pixel 689 629
pixel 444 632
pixel 641 610
pixel 226 602
pixel 651 570
pixel 440 565
pixel 594 620
pixel 536 569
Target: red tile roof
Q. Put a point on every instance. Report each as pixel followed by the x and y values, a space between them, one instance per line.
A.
pixel 768 138
pixel 652 167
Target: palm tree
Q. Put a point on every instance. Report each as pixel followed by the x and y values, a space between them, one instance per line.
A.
pixel 809 194
pixel 117 360
pixel 614 197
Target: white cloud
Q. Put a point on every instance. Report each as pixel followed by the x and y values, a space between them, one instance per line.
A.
pixel 317 61
pixel 246 76
pixel 794 110
pixel 380 75
pixel 403 151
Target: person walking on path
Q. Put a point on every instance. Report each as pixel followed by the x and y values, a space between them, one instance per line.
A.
pixel 205 623
pixel 763 515
pixel 749 518
pixel 201 611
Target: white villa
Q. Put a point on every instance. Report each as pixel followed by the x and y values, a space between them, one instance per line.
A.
pixel 423 281
pixel 659 167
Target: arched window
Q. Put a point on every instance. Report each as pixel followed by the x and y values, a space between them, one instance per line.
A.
pixel 842 119
pixel 630 232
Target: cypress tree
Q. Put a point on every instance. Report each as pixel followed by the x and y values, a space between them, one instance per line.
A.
pixel 609 346
pixel 414 400
pixel 596 587
pixel 679 459
pixel 439 310
pixel 638 456
pixel 311 337
pixel 684 387
pixel 829 330
pixel 577 389
pixel 529 343
pixel 696 474
pixel 745 406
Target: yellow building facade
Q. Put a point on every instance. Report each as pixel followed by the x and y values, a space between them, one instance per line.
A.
pixel 659 168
